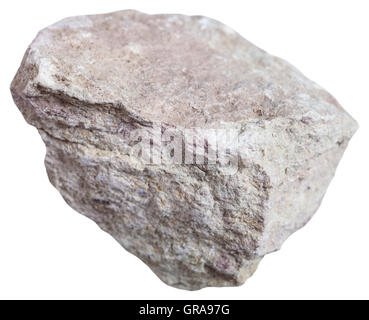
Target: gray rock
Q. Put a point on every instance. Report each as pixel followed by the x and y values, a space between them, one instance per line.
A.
pixel 94 86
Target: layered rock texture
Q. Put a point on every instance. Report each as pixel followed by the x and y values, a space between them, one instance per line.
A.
pixel 86 83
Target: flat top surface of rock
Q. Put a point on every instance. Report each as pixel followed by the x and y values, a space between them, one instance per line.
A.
pixel 181 70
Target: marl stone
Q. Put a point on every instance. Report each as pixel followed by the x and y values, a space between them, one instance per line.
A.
pixel 86 83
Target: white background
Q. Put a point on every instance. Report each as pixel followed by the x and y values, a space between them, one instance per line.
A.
pixel 47 250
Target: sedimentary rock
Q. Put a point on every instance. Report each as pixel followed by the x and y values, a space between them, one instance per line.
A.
pixel 109 94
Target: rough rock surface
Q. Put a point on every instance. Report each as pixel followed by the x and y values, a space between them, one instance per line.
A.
pixel 86 82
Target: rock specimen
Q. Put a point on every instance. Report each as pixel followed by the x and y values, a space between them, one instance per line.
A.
pixel 88 83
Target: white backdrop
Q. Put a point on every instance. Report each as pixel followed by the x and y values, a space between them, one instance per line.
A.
pixel 47 250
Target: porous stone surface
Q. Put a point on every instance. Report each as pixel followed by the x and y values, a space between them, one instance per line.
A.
pixel 86 82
